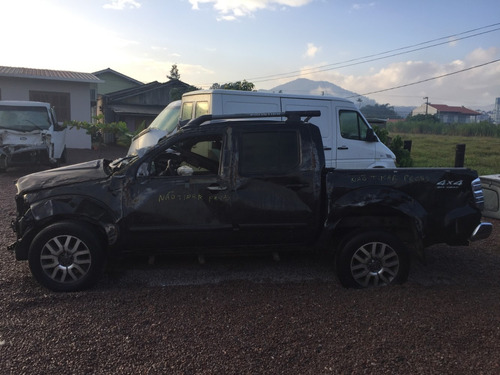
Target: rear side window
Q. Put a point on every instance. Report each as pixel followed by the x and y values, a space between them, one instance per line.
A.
pixel 352 125
pixel 268 153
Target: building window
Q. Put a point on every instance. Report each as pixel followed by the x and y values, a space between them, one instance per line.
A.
pixel 59 100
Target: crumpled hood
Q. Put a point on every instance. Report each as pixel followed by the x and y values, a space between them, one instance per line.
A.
pixel 88 171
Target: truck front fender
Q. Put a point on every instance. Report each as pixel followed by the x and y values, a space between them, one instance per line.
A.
pixel 78 207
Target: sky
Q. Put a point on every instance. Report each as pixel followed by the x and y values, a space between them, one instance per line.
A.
pixel 395 52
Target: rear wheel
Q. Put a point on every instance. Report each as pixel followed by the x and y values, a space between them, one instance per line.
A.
pixel 66 257
pixel 372 259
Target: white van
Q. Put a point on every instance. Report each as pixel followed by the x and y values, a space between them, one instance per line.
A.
pixel 163 124
pixel 30 134
pixel 348 139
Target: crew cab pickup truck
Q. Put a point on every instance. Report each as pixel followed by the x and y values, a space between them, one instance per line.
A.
pixel 235 185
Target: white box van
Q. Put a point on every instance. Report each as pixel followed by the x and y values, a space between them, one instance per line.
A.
pixel 163 124
pixel 348 139
pixel 30 134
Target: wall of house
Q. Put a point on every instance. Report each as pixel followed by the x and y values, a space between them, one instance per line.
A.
pixel 422 110
pixel 19 88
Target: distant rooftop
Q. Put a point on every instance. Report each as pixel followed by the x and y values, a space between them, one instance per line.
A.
pixel 447 108
pixel 111 71
pixel 57 75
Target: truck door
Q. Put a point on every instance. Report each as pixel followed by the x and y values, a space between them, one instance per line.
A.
pixel 324 122
pixel 353 149
pixel 181 196
pixel 276 194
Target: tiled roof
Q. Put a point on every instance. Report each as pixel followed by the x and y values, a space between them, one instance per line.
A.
pixel 111 71
pixel 450 109
pixel 56 75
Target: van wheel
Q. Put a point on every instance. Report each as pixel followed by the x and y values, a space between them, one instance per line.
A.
pixel 372 259
pixel 66 257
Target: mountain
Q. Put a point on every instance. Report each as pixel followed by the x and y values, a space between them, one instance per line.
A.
pixel 303 86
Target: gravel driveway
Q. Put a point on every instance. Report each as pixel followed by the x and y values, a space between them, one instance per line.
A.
pixel 251 315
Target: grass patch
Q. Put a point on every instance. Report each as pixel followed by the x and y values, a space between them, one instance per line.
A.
pixel 430 150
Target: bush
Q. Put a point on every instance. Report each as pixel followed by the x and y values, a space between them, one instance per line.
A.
pixel 99 128
pixel 396 145
pixel 481 129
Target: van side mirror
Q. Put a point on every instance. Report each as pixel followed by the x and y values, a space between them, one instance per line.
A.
pixel 370 136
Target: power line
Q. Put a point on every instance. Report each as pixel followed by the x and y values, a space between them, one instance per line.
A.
pixel 426 80
pixel 376 57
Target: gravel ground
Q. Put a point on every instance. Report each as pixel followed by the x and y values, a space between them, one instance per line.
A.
pixel 251 315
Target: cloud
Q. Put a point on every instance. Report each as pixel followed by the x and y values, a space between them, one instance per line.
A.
pixel 122 4
pixel 312 50
pixel 230 10
pixel 358 6
pixel 477 86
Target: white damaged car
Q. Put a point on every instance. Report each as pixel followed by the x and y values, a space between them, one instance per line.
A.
pixel 30 134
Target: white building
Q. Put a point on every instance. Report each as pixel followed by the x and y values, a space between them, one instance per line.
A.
pixel 72 94
pixel 448 114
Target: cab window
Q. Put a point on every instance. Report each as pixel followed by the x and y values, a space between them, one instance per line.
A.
pixel 187 111
pixel 352 125
pixel 201 109
pixel 268 153
pixel 191 156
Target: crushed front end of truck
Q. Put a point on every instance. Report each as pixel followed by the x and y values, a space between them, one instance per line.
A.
pixel 24 148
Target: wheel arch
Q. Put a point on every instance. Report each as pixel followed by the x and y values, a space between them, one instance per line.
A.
pixel 386 210
pixel 78 209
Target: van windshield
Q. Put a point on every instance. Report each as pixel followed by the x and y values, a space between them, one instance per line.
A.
pixel 168 119
pixel 24 118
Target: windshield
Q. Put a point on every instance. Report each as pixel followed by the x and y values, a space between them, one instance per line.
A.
pixel 168 119
pixel 24 118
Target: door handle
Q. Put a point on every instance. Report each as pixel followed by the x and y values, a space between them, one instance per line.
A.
pixel 297 186
pixel 343 148
pixel 216 188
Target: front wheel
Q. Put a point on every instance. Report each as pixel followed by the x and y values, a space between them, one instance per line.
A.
pixel 66 257
pixel 372 259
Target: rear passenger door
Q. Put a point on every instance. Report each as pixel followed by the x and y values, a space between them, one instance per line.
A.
pixel 275 195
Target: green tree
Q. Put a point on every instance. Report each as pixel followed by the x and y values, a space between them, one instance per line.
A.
pixel 239 85
pixel 423 118
pixel 379 111
pixel 174 73
pixel 176 92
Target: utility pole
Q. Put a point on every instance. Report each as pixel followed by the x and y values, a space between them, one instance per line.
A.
pixel 426 105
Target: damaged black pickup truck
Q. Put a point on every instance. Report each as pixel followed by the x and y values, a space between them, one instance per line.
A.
pixel 222 185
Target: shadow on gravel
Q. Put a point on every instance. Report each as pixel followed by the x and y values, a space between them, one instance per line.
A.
pixel 462 266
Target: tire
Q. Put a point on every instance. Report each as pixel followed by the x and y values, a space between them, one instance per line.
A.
pixel 66 257
pixel 64 157
pixel 372 259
